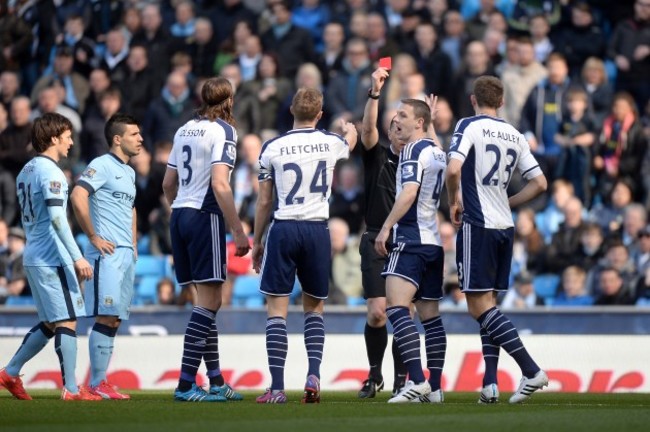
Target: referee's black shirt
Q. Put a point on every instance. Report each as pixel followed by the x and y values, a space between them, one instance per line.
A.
pixel 380 168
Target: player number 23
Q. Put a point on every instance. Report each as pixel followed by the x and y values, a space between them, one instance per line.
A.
pixel 490 179
pixel 318 182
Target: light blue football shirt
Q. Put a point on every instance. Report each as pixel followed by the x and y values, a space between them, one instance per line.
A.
pixel 111 185
pixel 40 184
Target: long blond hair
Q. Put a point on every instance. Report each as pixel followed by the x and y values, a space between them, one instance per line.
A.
pixel 217 96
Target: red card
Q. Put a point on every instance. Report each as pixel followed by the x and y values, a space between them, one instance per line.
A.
pixel 385 62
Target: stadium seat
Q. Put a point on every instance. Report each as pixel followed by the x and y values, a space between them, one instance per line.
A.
pixel 296 292
pixel 150 265
pixel 356 301
pixel 546 285
pixel 20 301
pixel 146 291
pixel 143 245
pixel 245 291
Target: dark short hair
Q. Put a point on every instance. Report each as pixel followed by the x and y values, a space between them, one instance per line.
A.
pixel 116 125
pixel 46 127
pixel 421 110
pixel 488 91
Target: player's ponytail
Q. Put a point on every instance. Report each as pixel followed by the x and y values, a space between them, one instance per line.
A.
pixel 217 96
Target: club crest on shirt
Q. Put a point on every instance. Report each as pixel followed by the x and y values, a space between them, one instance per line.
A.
pixel 407 171
pixel 108 301
pixel 89 172
pixel 80 302
pixel 55 187
pixel 231 152
pixel 454 141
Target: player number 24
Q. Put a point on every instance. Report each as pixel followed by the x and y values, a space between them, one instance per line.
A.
pixel 318 182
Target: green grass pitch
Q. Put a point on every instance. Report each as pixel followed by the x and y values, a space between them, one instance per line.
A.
pixel 338 412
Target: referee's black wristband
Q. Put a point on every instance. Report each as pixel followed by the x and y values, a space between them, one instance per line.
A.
pixel 372 96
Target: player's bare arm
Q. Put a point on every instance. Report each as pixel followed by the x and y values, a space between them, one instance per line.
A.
pixel 62 229
pixel 134 230
pixel 369 131
pixel 349 133
pixel 453 187
pixel 170 185
pixel 263 211
pixel 534 187
pixel 79 198
pixel 223 195
pixel 403 202
pixel 432 101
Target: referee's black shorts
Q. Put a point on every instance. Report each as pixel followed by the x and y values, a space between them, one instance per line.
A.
pixel 374 285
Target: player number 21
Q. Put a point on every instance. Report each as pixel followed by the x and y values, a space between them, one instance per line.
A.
pixel 318 182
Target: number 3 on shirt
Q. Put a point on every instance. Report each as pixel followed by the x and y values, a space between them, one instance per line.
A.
pixel 318 182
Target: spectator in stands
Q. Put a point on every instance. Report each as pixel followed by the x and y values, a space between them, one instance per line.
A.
pixel 156 40
pixel 477 24
pixel 411 19
pixel 403 67
pixel 4 245
pixel 15 147
pixel 246 165
pixel 544 111
pixel 250 57
pixel 168 112
pixel 203 48
pixel 14 278
pixel 520 78
pixel 595 82
pixel 165 292
pixel 330 60
pixel 522 294
pixel 4 118
pixel 454 297
pixel 581 38
pixel 184 26
pixel 358 26
pixel 15 39
pixel 115 57
pixel 448 240
pixel 312 15
pixel 621 147
pixel 345 275
pixel 160 242
pixel 454 38
pixel 494 41
pixel 609 213
pixel 104 15
pixel 642 256
pixel 148 187
pixel 576 136
pixel 93 140
pixel 9 88
pixel 83 48
pixel 241 107
pixel 635 218
pixel 226 15
pixel 477 63
pixel 629 47
pixel 346 201
pixel 76 86
pixel 529 249
pixel 525 10
pixel 379 44
pixel 573 291
pixel 141 85
pixel 436 10
pixel 308 76
pixel 444 125
pixel 432 61
pixel 99 82
pixel 539 33
pixel 553 215
pixel 289 42
pixel 592 246
pixel 233 46
pixel 8 203
pixel 616 257
pixel 131 22
pixel 266 92
pixel 347 92
pixel 565 243
pixel 613 289
pixel 510 58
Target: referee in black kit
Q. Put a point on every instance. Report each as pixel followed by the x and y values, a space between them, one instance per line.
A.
pixel 380 166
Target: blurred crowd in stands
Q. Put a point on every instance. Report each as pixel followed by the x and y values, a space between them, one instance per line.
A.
pixel 577 78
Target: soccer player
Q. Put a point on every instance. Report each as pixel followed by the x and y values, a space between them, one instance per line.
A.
pixel 197 184
pixel 52 259
pixel 484 152
pixel 379 166
pixel 414 268
pixel 103 202
pixel 299 166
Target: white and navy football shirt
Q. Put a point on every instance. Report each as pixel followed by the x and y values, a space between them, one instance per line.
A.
pixel 423 163
pixel 111 186
pixel 490 149
pixel 301 164
pixel 42 184
pixel 198 145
